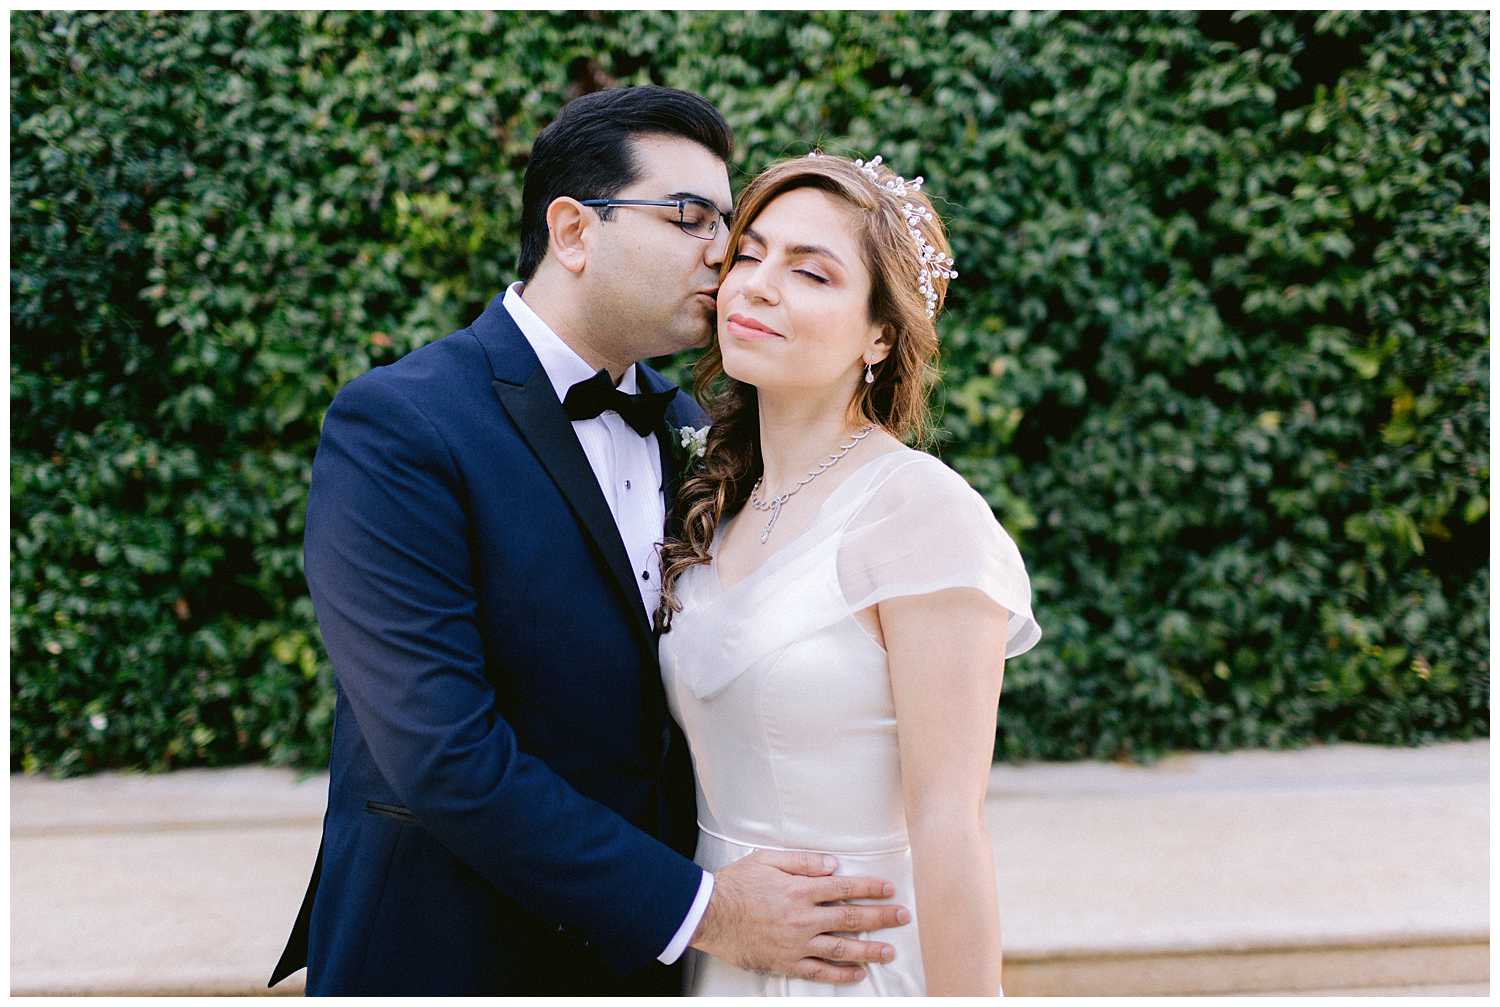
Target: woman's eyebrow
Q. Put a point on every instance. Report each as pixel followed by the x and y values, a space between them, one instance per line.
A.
pixel 797 249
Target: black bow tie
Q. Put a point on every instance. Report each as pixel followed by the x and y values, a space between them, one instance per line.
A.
pixel 643 411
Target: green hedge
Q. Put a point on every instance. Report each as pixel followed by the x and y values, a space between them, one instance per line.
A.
pixel 1217 353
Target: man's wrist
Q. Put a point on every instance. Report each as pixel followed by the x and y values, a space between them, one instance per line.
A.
pixel 707 935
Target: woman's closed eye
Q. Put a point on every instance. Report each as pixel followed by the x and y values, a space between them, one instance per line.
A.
pixel 816 277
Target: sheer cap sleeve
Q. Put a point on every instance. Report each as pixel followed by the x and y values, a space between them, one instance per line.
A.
pixel 921 528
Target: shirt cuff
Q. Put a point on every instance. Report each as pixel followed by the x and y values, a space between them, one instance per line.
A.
pixel 690 924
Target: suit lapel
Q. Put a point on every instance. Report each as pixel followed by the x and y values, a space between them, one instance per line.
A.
pixel 667 437
pixel 666 440
pixel 529 398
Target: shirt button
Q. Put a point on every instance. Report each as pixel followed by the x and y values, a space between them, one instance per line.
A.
pixel 645 575
pixel 627 484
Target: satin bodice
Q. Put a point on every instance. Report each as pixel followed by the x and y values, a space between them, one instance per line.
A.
pixel 785 698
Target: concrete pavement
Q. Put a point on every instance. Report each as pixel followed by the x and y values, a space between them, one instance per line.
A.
pixel 1333 869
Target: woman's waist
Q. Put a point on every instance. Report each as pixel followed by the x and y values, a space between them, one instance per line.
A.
pixel 839 842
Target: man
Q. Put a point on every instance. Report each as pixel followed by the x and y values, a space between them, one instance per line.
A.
pixel 509 803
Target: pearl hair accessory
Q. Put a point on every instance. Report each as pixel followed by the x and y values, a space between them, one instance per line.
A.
pixel 895 183
pixel 931 263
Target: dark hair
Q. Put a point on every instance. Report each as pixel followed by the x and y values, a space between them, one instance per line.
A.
pixel 586 152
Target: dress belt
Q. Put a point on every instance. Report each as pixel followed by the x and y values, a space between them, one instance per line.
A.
pixel 788 849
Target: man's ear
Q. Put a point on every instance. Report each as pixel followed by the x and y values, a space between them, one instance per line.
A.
pixel 568 222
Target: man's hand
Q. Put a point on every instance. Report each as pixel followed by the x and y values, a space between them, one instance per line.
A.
pixel 777 912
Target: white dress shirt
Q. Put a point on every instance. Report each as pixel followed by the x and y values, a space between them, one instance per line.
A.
pixel 628 468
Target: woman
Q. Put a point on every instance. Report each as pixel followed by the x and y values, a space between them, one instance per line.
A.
pixel 834 651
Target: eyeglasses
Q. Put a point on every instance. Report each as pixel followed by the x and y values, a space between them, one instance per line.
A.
pixel 695 216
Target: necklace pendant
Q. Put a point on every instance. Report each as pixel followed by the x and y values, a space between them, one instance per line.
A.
pixel 775 513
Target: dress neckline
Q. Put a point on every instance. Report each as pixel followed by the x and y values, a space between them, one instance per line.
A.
pixel 785 547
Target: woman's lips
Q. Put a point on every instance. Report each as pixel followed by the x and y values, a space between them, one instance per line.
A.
pixel 741 327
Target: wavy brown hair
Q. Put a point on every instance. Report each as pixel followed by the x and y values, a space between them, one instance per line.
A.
pixel 897 399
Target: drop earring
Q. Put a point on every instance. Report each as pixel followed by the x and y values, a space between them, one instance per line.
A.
pixel 869 374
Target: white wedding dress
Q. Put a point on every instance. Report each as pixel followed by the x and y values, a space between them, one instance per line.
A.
pixel 786 701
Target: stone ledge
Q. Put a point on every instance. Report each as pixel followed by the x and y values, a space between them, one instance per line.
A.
pixel 1290 969
pixel 1327 870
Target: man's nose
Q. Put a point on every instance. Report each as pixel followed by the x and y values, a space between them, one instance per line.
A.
pixel 718 246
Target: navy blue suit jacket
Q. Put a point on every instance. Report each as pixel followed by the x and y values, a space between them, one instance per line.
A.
pixel 510 805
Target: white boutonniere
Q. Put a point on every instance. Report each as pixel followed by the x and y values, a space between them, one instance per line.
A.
pixel 694 444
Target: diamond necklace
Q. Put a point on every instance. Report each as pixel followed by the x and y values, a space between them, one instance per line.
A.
pixel 775 503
